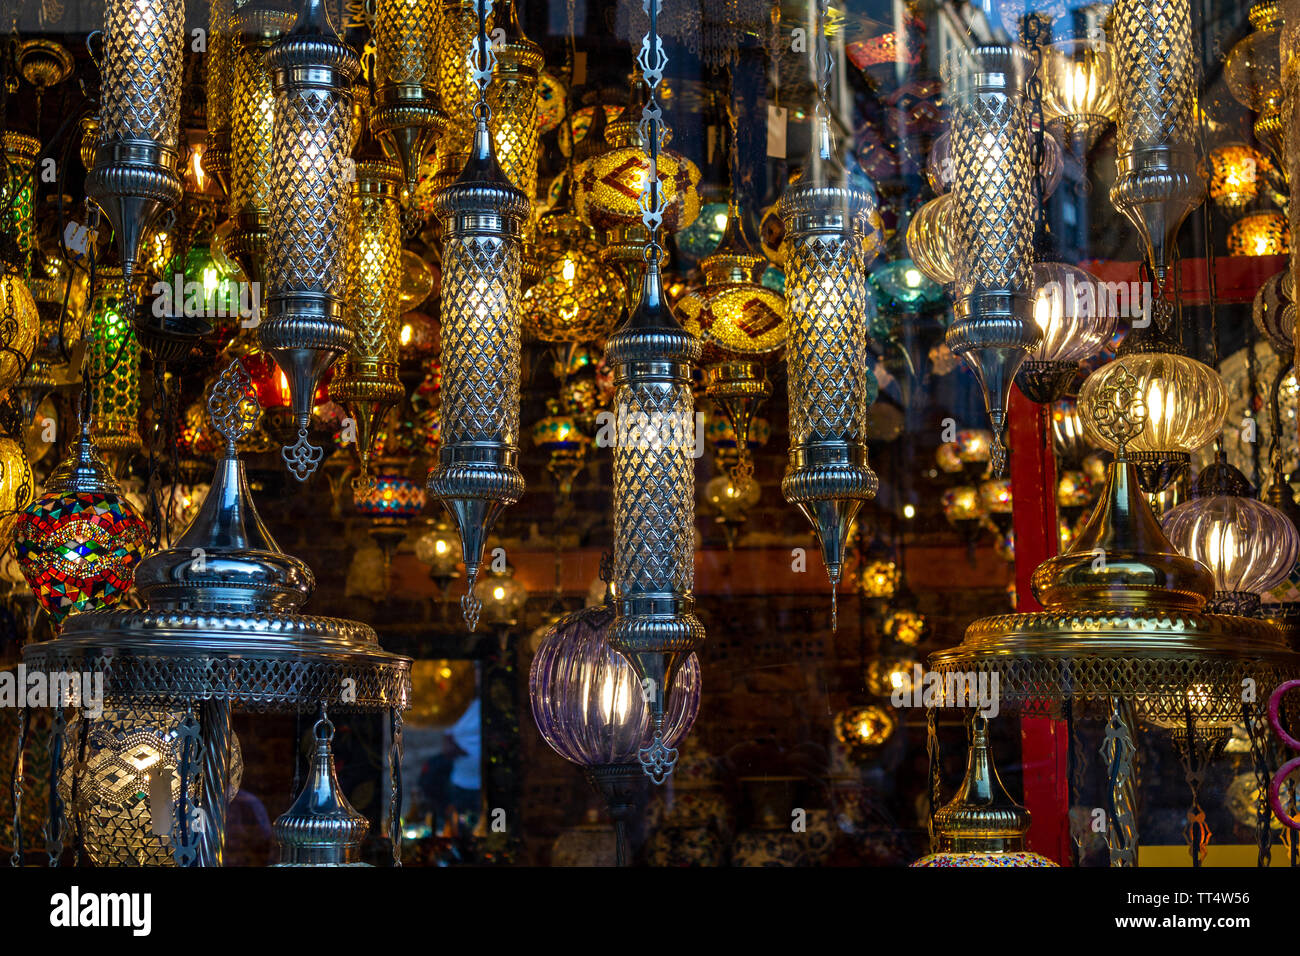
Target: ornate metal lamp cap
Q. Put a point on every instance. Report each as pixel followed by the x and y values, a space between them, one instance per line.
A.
pixel 82 472
pixel 482 190
pixel 824 199
pixel 321 828
pixel 735 258
pixel 982 817
pixel 515 52
pixel 227 560
pixel 1220 478
pixel 652 343
pixel 312 55
pixel 262 20
pixel 1122 558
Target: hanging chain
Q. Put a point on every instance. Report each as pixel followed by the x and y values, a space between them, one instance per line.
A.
pixel 483 62
pixel 823 62
pixel 395 785
pixel 16 788
pixel 54 825
pixel 652 59
pixel 1033 37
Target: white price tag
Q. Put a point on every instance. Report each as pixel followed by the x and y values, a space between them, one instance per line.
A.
pixel 78 238
pixel 776 128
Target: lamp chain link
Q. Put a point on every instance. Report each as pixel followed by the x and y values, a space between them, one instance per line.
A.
pixel 652 59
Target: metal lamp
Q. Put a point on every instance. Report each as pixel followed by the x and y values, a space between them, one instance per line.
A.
pixel 406 115
pixel 482 213
pixel 134 179
pixel 366 383
pixel 256 26
pixel 993 328
pixel 312 72
pixel 655 626
pixel 221 52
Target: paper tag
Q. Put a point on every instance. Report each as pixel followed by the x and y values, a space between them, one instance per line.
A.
pixel 712 143
pixel 78 238
pixel 579 68
pixel 776 123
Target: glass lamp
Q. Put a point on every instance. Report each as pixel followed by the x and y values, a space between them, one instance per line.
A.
pixel 879 579
pixel 1157 182
pixel 1260 234
pixel 113 357
pixel 252 117
pixel 513 99
pixel 406 116
pixel 366 382
pixel 1186 403
pixel 1079 90
pixel 1235 170
pixel 1251 547
pixel 18 195
pixel 930 239
pixel 20 324
pixel 502 597
pixel 862 731
pixel 993 328
pixel 312 72
pixel 1075 323
pixel 941 170
pixel 134 177
pixel 576 297
pixel 826 217
pixel 477 475
pixel 454 38
pixel 906 626
pixel 439 548
pixel 590 706
pixel 17 486
pixel 1253 69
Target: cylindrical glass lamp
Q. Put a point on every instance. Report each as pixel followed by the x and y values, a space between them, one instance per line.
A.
pixel 113 358
pixel 220 64
pixel 826 217
pixel 312 71
pixel 993 328
pixel 134 179
pixel 406 116
pixel 366 382
pixel 477 475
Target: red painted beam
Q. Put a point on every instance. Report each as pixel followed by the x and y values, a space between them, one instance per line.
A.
pixel 1044 743
pixel 1237 278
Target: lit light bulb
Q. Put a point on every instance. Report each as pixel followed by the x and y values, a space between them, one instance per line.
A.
pixel 909 511
pixel 569 270
pixel 406 333
pixel 499 593
pixel 720 220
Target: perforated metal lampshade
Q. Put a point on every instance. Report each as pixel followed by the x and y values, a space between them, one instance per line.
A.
pixel 407 117
pixel 219 75
pixel 134 178
pixel 255 26
pixel 993 213
pixel 113 357
pixel 477 474
pixel 1157 182
pixel 366 381
pixel 312 72
pixel 826 217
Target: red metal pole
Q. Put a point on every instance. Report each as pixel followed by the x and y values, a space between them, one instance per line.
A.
pixel 1044 743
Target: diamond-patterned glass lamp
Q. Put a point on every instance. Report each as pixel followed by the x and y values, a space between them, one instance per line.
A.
pixel 1157 182
pixel 655 626
pixel 454 37
pixel 366 383
pixel 993 212
pixel 134 179
pixel 512 98
pixel 406 116
pixel 256 25
pixel 219 65
pixel 829 225
pixel 113 357
pixel 312 72
pixel 482 214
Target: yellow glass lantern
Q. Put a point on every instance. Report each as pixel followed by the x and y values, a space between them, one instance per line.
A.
pixel 513 99
pixel 1260 234
pixel 17 488
pixel 608 186
pixel 576 297
pixel 1185 401
pixel 218 76
pixel 366 384
pixel 1253 70
pixel 406 117
pixel 879 579
pixel 931 234
pixel 863 730
pixel 454 40
pixel 906 626
pixel 1235 170
pixel 1079 88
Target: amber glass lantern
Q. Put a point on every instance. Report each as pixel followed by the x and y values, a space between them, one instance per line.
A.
pixel 219 73
pixel 1079 90
pixel 1253 70
pixel 406 116
pixel 512 98
pixel 1260 234
pixel 930 239
pixel 366 382
pixel 576 298
pixel 1235 171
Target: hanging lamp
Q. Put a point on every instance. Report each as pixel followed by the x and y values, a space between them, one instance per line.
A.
pixel 655 626
pixel 312 72
pixel 827 220
pixel 215 156
pixel 993 328
pixel 482 213
pixel 134 177
pixel 407 116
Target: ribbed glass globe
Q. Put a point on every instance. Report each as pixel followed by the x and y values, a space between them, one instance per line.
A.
pixel 930 238
pixel 1079 86
pixel 1250 546
pixel 587 701
pixel 1185 401
pixel 1072 311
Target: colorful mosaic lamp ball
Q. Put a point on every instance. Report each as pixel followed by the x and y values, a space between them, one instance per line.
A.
pixel 79 542
pixel 390 499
